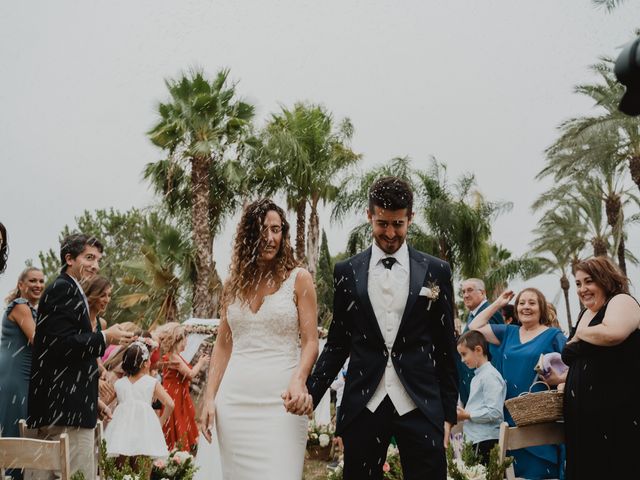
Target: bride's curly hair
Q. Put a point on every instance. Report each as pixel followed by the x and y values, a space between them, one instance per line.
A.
pixel 249 241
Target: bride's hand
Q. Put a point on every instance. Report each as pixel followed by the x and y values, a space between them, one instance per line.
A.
pixel 207 418
pixel 297 399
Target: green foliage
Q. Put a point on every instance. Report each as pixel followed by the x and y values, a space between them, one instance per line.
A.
pixel 133 468
pixel 395 468
pixel 160 276
pixel 121 234
pixel 148 261
pixel 202 123
pixel 324 283
pixel 469 455
pixel 303 154
pixel 494 470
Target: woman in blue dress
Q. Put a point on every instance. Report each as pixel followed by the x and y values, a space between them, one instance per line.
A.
pixel 18 328
pixel 521 347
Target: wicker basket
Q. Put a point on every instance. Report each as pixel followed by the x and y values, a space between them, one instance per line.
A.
pixel 536 407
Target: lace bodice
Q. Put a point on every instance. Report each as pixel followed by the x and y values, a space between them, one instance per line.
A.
pixel 274 327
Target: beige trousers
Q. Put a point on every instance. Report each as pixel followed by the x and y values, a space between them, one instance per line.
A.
pixel 81 452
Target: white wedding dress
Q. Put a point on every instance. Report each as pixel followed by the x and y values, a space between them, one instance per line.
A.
pixel 258 438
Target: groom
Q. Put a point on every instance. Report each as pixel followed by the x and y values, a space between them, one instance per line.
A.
pixel 393 317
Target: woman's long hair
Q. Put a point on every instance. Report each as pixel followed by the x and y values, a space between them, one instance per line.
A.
pixel 245 272
pixel 605 274
pixel 94 288
pixel 4 248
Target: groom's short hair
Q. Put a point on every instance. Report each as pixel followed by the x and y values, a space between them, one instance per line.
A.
pixel 391 193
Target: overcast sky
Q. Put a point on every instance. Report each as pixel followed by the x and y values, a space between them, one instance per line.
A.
pixel 481 85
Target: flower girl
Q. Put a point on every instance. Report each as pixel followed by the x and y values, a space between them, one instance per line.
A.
pixel 135 429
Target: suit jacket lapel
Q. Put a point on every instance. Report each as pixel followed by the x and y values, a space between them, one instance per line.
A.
pixel 361 277
pixel 77 293
pixel 418 267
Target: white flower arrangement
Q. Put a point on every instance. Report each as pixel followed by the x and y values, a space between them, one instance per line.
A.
pixel 324 440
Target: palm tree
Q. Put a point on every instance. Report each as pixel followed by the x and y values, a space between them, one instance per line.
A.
pixel 456 219
pixel 158 279
pixel 610 123
pixel 459 217
pixel 609 5
pixel 598 159
pixel 560 237
pixel 306 153
pixel 202 123
pixel 582 199
pixel 504 267
pixel 353 192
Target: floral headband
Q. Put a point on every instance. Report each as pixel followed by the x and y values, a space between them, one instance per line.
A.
pixel 144 350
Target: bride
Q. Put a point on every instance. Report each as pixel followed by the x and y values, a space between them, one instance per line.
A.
pixel 266 346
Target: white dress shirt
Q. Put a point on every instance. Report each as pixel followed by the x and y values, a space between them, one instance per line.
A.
pixel 388 291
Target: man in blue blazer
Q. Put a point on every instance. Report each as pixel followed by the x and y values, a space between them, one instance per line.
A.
pixel 393 318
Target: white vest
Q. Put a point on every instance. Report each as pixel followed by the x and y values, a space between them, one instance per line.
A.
pixel 388 292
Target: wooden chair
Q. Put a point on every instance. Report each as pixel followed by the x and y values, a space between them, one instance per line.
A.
pixel 36 454
pixel 26 432
pixel 513 438
pixel 98 436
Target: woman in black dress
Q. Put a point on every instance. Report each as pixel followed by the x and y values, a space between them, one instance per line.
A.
pixel 602 391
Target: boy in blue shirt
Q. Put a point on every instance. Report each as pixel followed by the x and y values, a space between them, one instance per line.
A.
pixel 483 412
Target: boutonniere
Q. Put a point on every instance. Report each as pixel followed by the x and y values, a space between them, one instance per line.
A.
pixel 431 291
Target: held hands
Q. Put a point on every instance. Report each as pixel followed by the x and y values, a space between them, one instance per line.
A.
pixel 297 399
pixel 207 419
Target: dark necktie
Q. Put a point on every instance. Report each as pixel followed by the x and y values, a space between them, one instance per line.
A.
pixel 388 262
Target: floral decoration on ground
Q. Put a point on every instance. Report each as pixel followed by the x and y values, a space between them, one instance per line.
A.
pixel 179 465
pixel 463 463
pixel 321 435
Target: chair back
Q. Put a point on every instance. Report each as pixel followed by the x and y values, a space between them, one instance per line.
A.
pixel 36 454
pixel 513 438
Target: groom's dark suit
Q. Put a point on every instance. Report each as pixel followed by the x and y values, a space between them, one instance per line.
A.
pixel 423 355
pixel 64 373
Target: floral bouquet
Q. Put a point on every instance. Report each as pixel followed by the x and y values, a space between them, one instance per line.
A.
pixel 178 466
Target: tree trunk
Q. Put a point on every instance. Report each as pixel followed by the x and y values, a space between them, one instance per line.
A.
pixel 634 168
pixel 599 247
pixel 202 300
pixel 300 226
pixel 613 207
pixel 622 262
pixel 313 238
pixel 564 284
